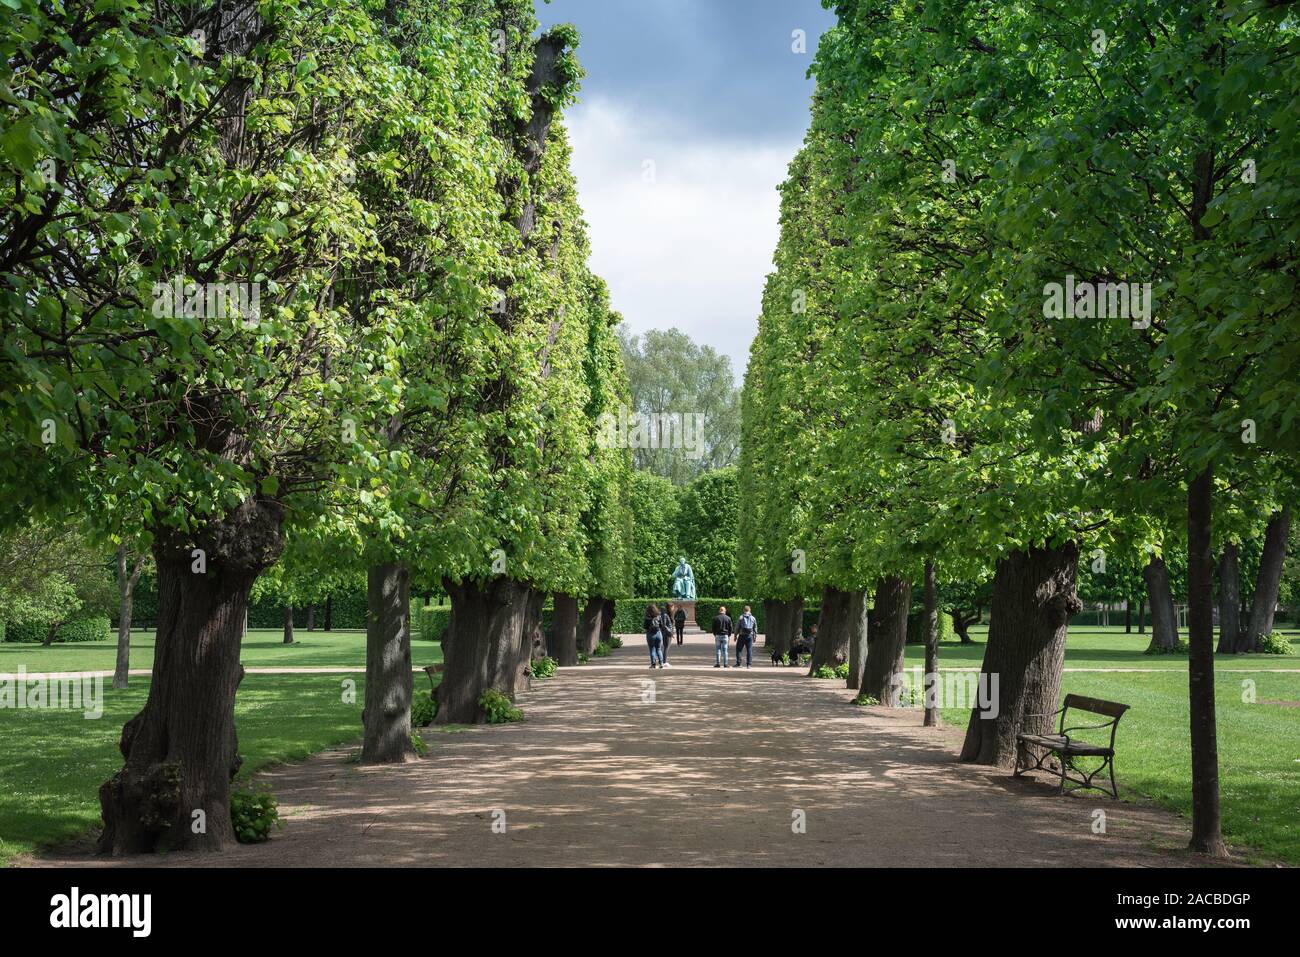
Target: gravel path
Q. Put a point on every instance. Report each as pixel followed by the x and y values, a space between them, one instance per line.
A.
pixel 703 767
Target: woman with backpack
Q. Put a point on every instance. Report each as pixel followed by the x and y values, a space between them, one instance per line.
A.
pixel 654 636
pixel 666 630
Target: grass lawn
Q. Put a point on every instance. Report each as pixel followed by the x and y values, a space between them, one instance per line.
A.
pixel 262 648
pixel 1092 646
pixel 54 761
pixel 1259 743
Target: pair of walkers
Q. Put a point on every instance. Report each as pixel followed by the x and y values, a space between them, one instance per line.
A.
pixel 659 628
pixel 746 630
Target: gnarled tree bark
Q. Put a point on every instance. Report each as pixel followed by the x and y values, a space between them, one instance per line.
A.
pixel 887 640
pixel 488 647
pixel 389 684
pixel 1268 582
pixel 1034 597
pixel 565 623
pixel 589 625
pixel 1229 600
pixel 1164 618
pixel 180 751
pixel 287 618
pixel 832 648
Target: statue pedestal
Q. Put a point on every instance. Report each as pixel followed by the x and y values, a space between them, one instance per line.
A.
pixel 689 608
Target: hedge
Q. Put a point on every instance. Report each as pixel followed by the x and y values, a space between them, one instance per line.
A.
pixel 429 623
pixel 347 610
pixel 96 628
pixel 915 628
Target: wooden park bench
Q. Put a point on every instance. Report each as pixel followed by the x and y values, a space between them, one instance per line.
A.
pixel 1065 748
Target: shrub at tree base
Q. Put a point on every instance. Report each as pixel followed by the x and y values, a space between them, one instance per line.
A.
pixel 423 710
pixel 498 708
pixel 1178 649
pixel 79 629
pixel 825 672
pixel 866 701
pixel 253 816
pixel 1276 644
pixel 602 651
pixel 544 667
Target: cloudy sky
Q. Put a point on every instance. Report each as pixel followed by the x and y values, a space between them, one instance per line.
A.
pixel 689 114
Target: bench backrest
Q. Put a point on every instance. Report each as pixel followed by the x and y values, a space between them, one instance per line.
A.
pixel 1110 709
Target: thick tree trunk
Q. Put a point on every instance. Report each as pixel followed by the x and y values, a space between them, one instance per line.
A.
pixel 607 620
pixel 311 617
pixel 566 630
pixel 389 683
pixel 329 613
pixel 1142 616
pixel 1229 600
pixel 930 623
pixel 887 640
pixel 1128 617
pixel 783 623
pixel 589 625
pixel 857 624
pixel 1207 836
pixel 534 632
pixel 961 625
pixel 1164 618
pixel 1268 582
pixel 832 648
pixel 1034 598
pixel 488 646
pixel 181 751
pixel 288 624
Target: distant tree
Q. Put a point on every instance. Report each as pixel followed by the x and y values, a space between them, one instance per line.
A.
pixel 708 528
pixel 654 507
pixel 671 374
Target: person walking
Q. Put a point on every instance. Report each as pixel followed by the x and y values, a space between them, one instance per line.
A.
pixel 746 631
pixel 654 636
pixel 666 628
pixel 721 632
pixel 679 619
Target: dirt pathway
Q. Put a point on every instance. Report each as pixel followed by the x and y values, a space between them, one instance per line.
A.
pixel 702 767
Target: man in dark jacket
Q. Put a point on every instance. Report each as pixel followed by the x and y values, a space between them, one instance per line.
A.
pixel 679 620
pixel 721 632
pixel 746 631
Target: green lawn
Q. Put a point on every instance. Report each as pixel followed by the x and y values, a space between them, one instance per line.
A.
pixel 262 648
pixel 54 761
pixel 1259 743
pixel 1091 646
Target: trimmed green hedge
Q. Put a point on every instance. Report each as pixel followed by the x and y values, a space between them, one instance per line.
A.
pixel 78 629
pixel 915 628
